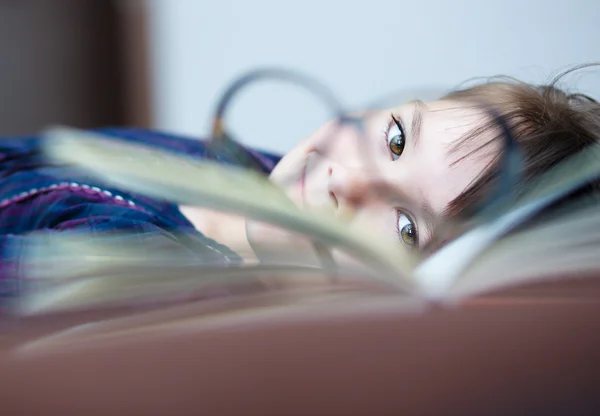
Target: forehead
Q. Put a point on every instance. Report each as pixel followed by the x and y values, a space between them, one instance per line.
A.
pixel 445 119
pixel 442 126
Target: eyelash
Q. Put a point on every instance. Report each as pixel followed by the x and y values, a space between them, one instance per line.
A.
pixel 397 122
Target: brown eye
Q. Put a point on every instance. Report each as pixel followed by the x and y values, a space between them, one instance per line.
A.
pixel 395 138
pixel 406 229
pixel 408 235
pixel 397 144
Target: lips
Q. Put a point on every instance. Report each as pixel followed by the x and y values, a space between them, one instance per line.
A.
pixel 313 189
pixel 301 184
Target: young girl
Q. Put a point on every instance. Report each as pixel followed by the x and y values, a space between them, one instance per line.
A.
pixel 439 156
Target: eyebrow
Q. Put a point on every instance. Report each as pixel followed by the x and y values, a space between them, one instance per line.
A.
pixel 417 120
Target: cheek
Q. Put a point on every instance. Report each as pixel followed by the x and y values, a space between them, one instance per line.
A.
pixel 274 244
pixel 289 168
pixel 444 182
pixel 339 143
pixel 438 182
pixel 378 218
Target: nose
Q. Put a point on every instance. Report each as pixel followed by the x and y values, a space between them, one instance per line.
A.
pixel 349 187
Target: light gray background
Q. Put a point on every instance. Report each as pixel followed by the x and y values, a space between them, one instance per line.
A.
pixel 361 49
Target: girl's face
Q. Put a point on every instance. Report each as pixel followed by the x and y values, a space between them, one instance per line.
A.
pixel 396 179
pixel 407 153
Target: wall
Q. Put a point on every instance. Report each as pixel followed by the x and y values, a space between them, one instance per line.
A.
pixel 362 49
pixel 59 63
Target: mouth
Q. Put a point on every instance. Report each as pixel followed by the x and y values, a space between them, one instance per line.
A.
pixel 303 189
pixel 334 200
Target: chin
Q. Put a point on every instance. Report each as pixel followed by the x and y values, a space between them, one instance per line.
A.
pixel 273 244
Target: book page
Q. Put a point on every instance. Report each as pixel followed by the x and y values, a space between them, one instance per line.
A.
pixel 440 272
pixel 564 247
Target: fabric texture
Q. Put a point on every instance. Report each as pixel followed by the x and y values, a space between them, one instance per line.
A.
pixel 38 196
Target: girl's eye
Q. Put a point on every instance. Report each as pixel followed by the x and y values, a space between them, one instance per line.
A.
pixel 407 232
pixel 395 138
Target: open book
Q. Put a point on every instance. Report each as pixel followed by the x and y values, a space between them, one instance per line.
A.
pixel 533 239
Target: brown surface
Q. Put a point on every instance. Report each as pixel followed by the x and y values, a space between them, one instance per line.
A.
pixel 511 355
